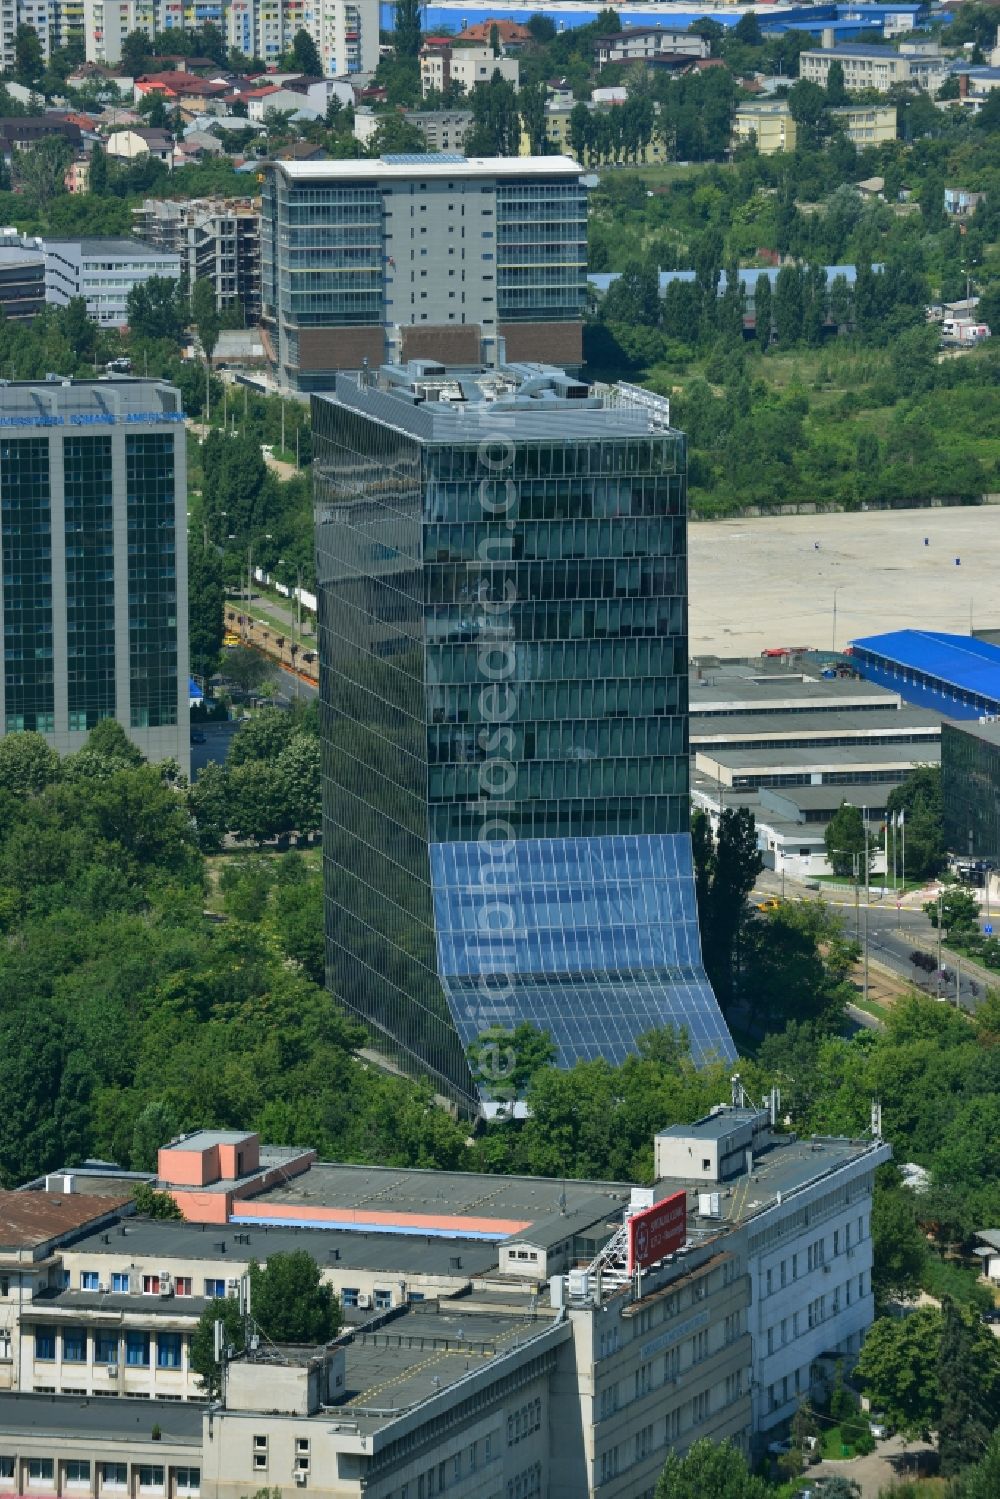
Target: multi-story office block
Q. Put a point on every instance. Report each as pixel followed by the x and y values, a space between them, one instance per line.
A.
pixel 437 257
pixel 218 240
pixel 503 647
pixel 22 283
pixel 101 270
pixel 346 32
pixel 970 790
pixel 93 532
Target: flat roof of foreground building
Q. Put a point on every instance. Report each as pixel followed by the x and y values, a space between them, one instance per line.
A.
pixel 460 1204
pixel 439 403
pixel 97 1418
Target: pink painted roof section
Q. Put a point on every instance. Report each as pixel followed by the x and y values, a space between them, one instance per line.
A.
pixel 455 1223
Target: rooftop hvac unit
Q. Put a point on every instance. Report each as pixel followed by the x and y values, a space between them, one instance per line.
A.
pixel 709 1205
pixel 232 1285
pixel 579 1284
pixel 301 1478
pixel 364 1300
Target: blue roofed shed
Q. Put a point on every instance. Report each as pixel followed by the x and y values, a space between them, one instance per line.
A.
pixel 954 675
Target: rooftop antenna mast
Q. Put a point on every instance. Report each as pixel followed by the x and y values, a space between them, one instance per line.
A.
pixel 739 1093
pixel 876 1119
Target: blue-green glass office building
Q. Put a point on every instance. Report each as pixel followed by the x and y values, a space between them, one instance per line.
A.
pixel 503 645
pixel 93 531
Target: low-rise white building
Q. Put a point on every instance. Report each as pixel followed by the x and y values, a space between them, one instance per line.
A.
pixel 103 272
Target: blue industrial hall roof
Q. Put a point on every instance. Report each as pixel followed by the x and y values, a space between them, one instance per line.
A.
pixel 961 661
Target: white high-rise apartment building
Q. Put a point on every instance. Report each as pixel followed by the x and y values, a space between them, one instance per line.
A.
pixel 345 31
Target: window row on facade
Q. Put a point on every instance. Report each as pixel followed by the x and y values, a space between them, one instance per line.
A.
pixel 80 1476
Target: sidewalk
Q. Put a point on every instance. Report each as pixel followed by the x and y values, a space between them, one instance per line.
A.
pixel 896 1462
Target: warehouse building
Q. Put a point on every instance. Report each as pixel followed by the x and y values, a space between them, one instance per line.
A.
pixel 956 676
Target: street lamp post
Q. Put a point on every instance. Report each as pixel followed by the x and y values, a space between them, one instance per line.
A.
pixel 833 639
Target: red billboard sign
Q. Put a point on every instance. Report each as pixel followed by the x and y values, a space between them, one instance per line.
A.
pixel 657 1231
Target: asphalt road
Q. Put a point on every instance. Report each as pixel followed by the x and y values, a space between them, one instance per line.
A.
pixel 219 736
pixel 892 936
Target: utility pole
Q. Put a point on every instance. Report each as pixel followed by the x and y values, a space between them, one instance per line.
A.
pixel 866 955
pixel 282 399
pixel 939 904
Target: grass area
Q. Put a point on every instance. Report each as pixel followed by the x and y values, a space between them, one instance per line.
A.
pixel 265 613
pixel 870 1007
pixel 312 858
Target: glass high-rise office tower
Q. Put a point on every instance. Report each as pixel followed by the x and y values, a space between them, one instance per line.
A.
pixel 93 535
pixel 503 649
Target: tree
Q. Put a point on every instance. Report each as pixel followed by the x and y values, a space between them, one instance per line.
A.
pixel 845 841
pixel 959 910
pixel 899 1248
pixel 27 764
pixel 634 297
pixel 249 670
pixel 152 1204
pixel 154 107
pixel 157 309
pixel 505 1061
pixel 919 799
pixel 747 30
pixel 205 315
pixel 580 130
pixel 725 871
pixel 807 102
pixel 206 607
pixel 98 180
pixel 709 1471
pixel 29 63
pixel 40 171
pixel 836 89
pixel 290 1303
pixel 789 308
pixel 209 805
pixel 983 1480
pixel 263 737
pixel 153 1128
pixel 135 53
pixel 542 27
pixel 531 101
pixel 406 32
pixel 299 770
pixel 763 310
pixel 202 1356
pixel 496 127
pixel 969 1379
pixel 899 1369
pixel 305 55
pixel 394 133
pixel 257 806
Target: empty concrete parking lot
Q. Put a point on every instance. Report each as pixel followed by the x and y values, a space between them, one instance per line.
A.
pixel 772 581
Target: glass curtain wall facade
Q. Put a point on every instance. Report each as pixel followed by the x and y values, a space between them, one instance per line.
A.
pixel 90 581
pixel 970 790
pixel 93 535
pixel 513 847
pixel 26 513
pixel 541 251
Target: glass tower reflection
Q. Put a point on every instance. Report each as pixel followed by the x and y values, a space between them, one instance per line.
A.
pixel 503 649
